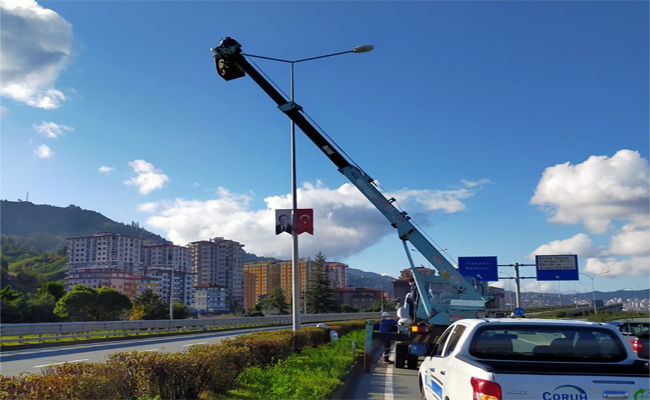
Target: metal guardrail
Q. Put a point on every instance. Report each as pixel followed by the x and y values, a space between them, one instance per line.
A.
pixel 67 330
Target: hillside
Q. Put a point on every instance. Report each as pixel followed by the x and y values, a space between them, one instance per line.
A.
pixel 23 218
pixel 359 278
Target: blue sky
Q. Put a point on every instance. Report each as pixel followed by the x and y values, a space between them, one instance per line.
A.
pixel 504 129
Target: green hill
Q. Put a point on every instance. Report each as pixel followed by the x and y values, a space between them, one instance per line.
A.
pixel 22 218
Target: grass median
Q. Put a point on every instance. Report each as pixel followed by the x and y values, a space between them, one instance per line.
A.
pixel 314 373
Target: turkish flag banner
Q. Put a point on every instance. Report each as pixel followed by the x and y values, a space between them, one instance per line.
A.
pixel 305 221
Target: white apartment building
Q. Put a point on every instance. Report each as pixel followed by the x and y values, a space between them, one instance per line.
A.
pixel 210 298
pixel 172 266
pixel 219 261
pixel 101 257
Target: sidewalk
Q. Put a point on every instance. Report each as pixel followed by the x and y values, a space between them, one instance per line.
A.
pixel 383 382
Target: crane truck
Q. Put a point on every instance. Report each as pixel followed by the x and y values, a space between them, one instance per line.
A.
pixel 462 297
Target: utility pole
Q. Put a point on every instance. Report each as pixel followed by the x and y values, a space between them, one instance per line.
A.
pixel 517 278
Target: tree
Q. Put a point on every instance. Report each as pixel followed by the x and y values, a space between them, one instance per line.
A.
pixel 9 294
pixel 320 298
pixel 56 289
pixel 346 308
pixel 13 305
pixel 181 311
pixel 255 311
pixel 40 308
pixel 233 305
pixel 111 304
pixel 78 304
pixel 277 300
pixel 83 303
pixel 150 305
pixel 4 273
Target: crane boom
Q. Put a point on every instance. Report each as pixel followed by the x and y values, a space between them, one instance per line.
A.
pixel 231 64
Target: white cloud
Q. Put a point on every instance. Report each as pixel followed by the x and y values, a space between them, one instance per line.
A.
pixel 471 184
pixel 52 130
pixel 148 208
pixel 148 178
pixel 632 240
pixel 43 151
pixel 36 46
pixel 597 191
pixel 449 201
pixel 580 244
pixel 633 266
pixel 105 170
pixel 343 216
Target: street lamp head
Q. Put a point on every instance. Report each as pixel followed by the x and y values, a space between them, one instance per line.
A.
pixel 363 49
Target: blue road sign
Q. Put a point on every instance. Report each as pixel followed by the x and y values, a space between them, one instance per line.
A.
pixel 557 268
pixel 518 311
pixel 480 268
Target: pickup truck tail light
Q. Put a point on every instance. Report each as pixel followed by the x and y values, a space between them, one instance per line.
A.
pixel 419 328
pixel 637 345
pixel 485 390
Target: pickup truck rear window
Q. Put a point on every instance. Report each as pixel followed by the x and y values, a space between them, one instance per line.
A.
pixel 546 343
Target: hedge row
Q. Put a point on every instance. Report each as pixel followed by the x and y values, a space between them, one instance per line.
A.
pixel 200 372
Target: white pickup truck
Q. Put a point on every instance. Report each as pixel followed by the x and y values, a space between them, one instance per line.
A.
pixel 531 359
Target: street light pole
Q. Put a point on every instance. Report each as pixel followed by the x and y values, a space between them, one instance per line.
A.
pixel 295 270
pixel 593 288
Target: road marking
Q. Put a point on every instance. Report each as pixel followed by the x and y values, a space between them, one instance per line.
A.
pixel 148 350
pixel 59 363
pixel 388 381
pixel 194 344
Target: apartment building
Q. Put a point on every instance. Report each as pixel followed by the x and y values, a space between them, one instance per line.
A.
pixel 105 250
pixel 363 297
pixel 337 275
pixel 172 266
pixel 135 284
pixel 259 279
pixel 210 298
pixel 306 269
pixel 103 259
pixel 219 261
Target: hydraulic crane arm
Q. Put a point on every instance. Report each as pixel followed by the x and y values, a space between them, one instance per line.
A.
pixel 231 64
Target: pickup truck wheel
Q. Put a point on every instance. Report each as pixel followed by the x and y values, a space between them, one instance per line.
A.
pixel 401 350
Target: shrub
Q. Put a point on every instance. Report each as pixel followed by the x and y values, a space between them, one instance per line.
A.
pixel 313 374
pixel 222 363
pixel 65 381
pixel 193 373
pixel 266 347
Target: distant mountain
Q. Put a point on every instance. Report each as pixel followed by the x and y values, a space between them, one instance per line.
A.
pixel 23 218
pixel 359 278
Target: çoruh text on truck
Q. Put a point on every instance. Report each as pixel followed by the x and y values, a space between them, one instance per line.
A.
pixel 433 313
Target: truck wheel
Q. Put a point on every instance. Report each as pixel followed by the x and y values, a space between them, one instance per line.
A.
pixel 412 361
pixel 401 350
